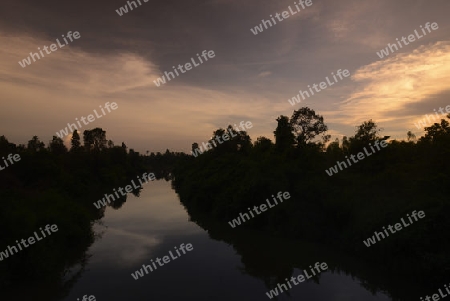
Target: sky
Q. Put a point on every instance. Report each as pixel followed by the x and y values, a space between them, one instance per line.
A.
pixel 251 77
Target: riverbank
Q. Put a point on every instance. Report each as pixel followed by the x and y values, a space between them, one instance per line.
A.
pixel 340 211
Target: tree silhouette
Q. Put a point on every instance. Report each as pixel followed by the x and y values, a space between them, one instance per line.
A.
pixel 35 145
pixel 75 141
pixel 57 146
pixel 411 137
pixel 437 132
pixel 367 132
pixel 194 147
pixel 94 139
pixel 307 125
pixel 334 149
pixel 284 137
pixel 6 146
pixel 263 144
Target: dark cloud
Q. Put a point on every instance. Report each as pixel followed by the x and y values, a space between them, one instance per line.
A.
pixel 267 68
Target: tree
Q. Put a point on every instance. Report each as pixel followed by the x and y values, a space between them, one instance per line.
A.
pixel 242 142
pixel 263 144
pixel 237 140
pixel 75 142
pixel 35 144
pixel 307 125
pixel 216 145
pixel 6 146
pixel 411 137
pixel 437 132
pixel 334 149
pixel 57 146
pixel 367 132
pixel 345 144
pixel 94 139
pixel 284 137
pixel 194 147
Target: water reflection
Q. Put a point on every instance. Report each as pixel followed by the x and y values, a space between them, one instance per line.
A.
pixel 273 259
pixel 224 265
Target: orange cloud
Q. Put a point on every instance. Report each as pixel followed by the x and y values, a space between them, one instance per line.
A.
pixel 394 83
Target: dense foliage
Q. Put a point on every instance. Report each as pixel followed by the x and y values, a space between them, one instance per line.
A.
pixel 340 210
pixel 55 185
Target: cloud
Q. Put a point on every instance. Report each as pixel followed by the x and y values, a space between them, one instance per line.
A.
pixel 388 86
pixel 264 74
pixel 72 69
pixel 70 83
pixel 251 77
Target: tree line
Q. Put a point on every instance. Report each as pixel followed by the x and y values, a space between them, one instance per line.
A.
pixel 342 210
pixel 53 184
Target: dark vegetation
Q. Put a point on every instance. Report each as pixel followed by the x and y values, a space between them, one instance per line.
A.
pixel 340 210
pixel 56 185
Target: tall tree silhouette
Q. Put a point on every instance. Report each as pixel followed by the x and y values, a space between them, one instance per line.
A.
pixel 75 142
pixel 284 137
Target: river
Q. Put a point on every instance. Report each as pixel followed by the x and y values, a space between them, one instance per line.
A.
pixel 149 226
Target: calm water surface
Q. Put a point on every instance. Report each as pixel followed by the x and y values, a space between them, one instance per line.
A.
pixel 149 226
